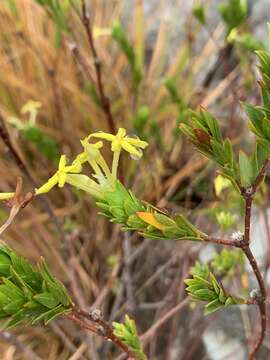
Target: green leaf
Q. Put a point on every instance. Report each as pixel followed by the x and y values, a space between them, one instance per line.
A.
pixel 5 263
pixel 204 294
pixel 228 152
pixel 198 12
pixel 246 170
pixel 213 306
pixel 233 12
pixel 212 125
pixel 47 300
pixel 121 38
pixel 127 333
pixel 26 295
pixel 140 120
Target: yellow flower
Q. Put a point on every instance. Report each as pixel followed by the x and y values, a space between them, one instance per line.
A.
pixel 6 196
pixel 92 150
pixel 61 176
pixel 122 141
pixel 32 108
pixel 95 159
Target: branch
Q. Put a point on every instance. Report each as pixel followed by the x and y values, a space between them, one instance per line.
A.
pixel 248 194
pixel 105 102
pixel 225 242
pixel 101 327
pixel 261 301
pixel 4 135
pixel 146 337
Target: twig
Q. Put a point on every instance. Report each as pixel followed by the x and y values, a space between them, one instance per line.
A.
pixel 102 327
pixel 83 324
pixel 105 102
pixel 80 59
pixel 261 301
pixel 221 241
pixel 244 243
pixel 4 135
pixel 16 203
pixel 248 195
pixel 146 337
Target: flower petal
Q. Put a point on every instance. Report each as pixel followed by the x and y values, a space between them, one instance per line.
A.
pixel 116 145
pixel 6 195
pixel 121 133
pixel 131 149
pixel 102 135
pixel 137 142
pixel 62 179
pixel 48 185
pixel 62 162
pixel 83 182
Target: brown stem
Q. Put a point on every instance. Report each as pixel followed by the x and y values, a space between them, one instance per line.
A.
pixel 261 301
pixel 248 205
pixel 82 324
pixel 4 135
pixel 146 337
pixel 103 328
pixel 105 102
pixel 248 194
pixel 221 241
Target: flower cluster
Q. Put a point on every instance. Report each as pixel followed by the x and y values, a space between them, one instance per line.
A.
pixel 104 177
pixel 116 202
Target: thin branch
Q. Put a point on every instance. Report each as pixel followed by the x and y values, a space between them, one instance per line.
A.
pixel 4 135
pixel 248 205
pixel 105 102
pixel 261 301
pixel 80 60
pixel 248 194
pixel 103 327
pixel 18 202
pixel 83 324
pixel 146 337
pixel 222 241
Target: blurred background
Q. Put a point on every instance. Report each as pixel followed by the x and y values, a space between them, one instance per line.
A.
pixel 184 54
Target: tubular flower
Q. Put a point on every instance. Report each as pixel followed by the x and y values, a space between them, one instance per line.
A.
pixel 96 160
pixel 60 177
pixel 6 196
pixel 122 141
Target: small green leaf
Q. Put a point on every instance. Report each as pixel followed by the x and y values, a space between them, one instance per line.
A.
pixel 198 12
pixel 127 332
pixel 213 306
pixel 246 170
pixel 47 300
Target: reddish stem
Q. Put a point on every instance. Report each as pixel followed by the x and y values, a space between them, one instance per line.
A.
pixel 105 102
pixel 104 329
pixel 261 301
